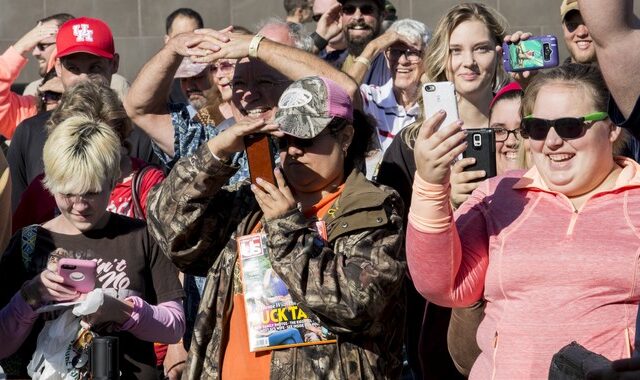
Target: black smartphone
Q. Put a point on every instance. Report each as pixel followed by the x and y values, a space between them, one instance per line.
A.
pixel 481 145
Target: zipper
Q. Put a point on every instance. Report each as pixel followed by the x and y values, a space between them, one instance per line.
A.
pixel 572 222
pixel 495 353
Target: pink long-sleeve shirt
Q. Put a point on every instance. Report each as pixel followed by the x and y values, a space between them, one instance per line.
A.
pixel 550 274
pixel 13 107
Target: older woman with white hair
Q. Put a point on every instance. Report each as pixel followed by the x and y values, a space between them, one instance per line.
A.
pixel 395 104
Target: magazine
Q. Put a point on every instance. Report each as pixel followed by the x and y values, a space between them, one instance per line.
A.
pixel 274 320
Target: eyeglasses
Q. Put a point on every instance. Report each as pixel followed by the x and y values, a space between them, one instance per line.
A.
pixel 42 46
pixel 566 127
pixel 365 9
pixel 412 55
pixel 317 17
pixel 502 134
pixel 50 97
pixel 224 67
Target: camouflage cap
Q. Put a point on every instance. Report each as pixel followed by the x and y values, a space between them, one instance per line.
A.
pixel 308 105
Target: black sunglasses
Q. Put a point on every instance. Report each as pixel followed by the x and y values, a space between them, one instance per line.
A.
pixel 566 127
pixel 366 9
pixel 317 17
pixel 50 96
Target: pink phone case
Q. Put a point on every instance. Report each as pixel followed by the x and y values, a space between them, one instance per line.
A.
pixel 79 274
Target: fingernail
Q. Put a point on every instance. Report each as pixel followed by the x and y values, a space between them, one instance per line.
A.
pixel 484 174
pixel 259 180
pixel 441 111
pixel 473 160
pixel 459 123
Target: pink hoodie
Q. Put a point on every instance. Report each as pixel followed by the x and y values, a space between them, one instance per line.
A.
pixel 13 107
pixel 550 274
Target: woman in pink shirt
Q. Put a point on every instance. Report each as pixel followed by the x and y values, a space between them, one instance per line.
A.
pixel 553 251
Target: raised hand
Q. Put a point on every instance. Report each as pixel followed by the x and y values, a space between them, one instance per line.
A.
pixel 33 37
pixel 274 201
pixel 231 140
pixel 436 148
pixel 330 24
pixel 523 77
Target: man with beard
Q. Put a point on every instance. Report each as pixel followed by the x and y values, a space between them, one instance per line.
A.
pixel 194 81
pixel 361 24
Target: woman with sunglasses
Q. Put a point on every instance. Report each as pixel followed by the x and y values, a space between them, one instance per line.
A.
pixel 353 279
pixel 534 245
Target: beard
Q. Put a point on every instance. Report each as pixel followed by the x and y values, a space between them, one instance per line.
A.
pixel 356 44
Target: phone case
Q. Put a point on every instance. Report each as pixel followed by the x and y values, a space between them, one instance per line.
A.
pixel 260 157
pixel 482 147
pixel 535 53
pixel 440 96
pixel 79 274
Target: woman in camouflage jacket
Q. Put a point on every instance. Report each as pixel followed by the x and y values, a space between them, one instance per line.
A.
pixel 353 283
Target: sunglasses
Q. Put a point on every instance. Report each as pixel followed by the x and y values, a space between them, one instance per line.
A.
pixel 50 96
pixel 43 46
pixel 317 17
pixel 412 55
pixel 365 10
pixel 566 127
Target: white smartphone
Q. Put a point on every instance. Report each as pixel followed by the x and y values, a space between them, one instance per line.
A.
pixel 438 96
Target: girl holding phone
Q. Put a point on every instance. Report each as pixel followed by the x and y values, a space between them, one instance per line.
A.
pixel 142 301
pixel 538 298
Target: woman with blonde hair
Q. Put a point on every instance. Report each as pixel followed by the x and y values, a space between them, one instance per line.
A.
pixel 129 197
pixel 463 50
pixel 142 301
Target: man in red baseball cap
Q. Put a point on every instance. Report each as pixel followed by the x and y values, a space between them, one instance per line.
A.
pixel 85 50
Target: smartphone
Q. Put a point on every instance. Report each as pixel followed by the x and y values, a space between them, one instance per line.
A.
pixel 438 96
pixel 259 157
pixel 481 145
pixel 535 53
pixel 79 274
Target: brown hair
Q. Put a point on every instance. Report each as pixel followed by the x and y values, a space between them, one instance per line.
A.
pixel 97 101
pixel 587 77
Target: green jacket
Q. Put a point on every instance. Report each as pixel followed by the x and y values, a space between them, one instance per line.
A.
pixel 354 284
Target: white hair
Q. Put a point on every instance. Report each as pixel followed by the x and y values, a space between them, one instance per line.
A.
pixel 301 39
pixel 413 30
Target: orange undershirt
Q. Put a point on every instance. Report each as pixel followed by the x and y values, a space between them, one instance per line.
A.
pixel 238 362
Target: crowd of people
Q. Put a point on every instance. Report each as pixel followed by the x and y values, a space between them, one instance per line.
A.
pixel 385 256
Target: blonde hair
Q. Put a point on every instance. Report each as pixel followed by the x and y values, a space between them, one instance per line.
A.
pixel 437 55
pixel 80 156
pixel 97 101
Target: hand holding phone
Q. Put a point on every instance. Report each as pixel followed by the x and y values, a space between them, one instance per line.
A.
pixel 79 274
pixel 438 96
pixel 481 145
pixel 534 53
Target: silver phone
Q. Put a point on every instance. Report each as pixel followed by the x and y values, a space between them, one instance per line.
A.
pixel 438 96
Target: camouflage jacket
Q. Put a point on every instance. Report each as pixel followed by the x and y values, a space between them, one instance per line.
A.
pixel 354 284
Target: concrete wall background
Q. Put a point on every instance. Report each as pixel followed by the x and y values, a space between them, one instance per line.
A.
pixel 138 25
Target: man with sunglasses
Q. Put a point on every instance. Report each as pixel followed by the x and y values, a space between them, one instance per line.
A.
pixel 361 24
pixel 576 34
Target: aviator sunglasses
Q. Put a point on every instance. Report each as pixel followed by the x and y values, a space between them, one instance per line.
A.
pixel 365 10
pixel 566 127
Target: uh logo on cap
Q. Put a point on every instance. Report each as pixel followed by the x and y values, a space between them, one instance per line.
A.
pixel 83 33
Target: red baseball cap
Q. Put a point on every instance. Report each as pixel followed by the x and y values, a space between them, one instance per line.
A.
pixel 85 35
